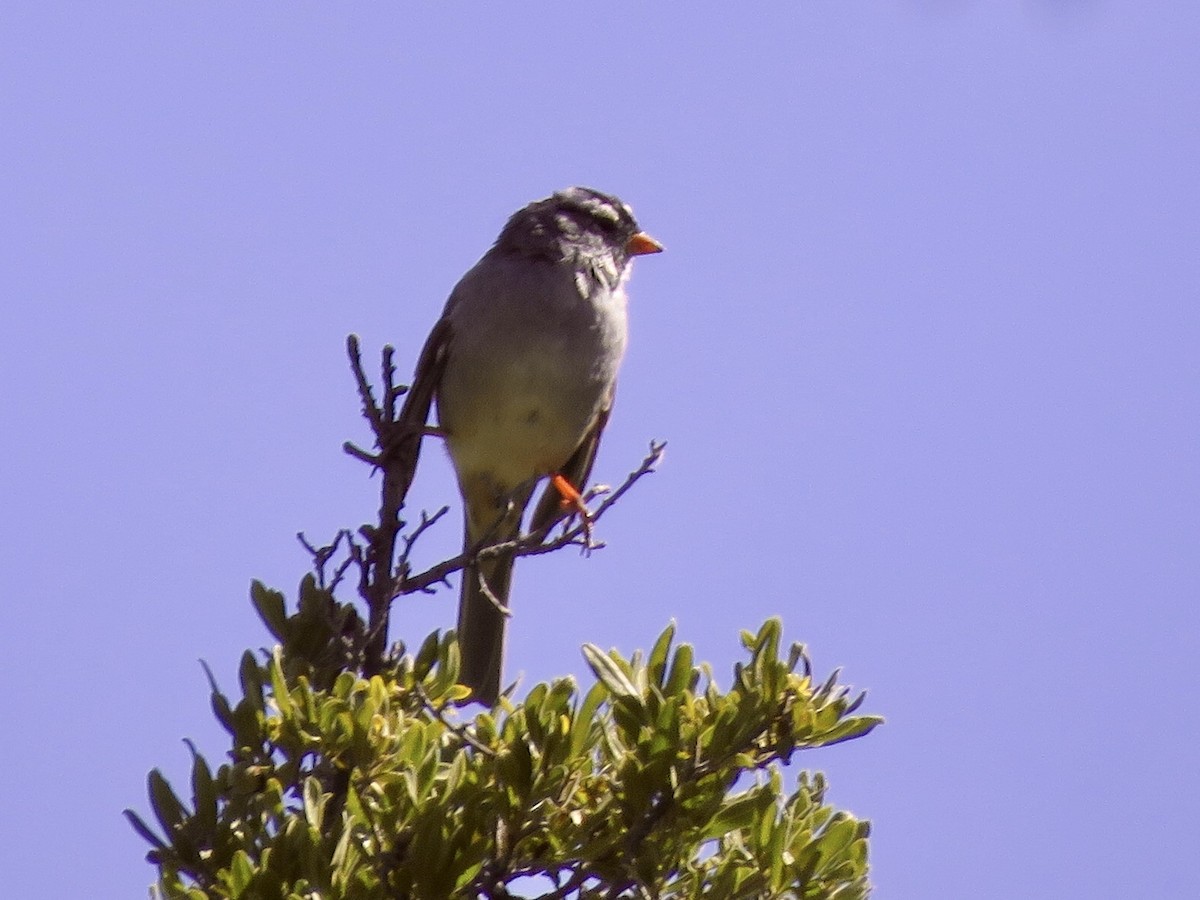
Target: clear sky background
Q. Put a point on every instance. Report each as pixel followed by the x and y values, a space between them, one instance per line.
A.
pixel 925 344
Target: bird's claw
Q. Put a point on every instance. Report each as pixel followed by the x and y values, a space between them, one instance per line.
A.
pixel 573 502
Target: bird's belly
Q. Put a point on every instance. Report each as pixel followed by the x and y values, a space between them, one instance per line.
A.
pixel 517 421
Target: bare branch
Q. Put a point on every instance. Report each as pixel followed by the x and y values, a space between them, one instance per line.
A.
pixel 322 555
pixel 533 543
pixel 399 444
pixel 392 390
pixel 371 409
pixel 371 459
pixel 427 522
pixel 578 877
pixel 491 598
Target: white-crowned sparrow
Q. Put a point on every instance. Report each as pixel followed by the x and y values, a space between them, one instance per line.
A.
pixel 523 364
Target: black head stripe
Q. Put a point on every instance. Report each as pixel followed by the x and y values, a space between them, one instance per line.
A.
pixel 593 209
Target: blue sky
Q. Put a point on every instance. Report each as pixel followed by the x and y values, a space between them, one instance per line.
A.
pixel 923 344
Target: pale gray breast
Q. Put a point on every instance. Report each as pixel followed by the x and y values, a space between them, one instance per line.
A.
pixel 533 354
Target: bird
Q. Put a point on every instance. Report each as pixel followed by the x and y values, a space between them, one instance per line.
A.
pixel 522 366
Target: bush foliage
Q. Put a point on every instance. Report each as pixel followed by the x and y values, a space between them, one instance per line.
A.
pixel 655 783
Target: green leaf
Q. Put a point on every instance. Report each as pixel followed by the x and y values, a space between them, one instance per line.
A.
pixel 240 874
pixel 683 671
pixel 166 805
pixel 314 802
pixel 737 814
pixel 658 655
pixel 140 826
pixel 608 672
pixel 451 664
pixel 427 656
pixel 279 688
pixel 585 716
pixel 204 790
pixel 517 766
pixel 561 692
pixel 271 608
pixel 250 677
pixel 849 730
pixel 836 839
pixel 220 703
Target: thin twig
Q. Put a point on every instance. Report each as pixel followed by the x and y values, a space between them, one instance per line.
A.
pixel 529 544
pixel 574 883
pixel 392 391
pixel 460 730
pixel 399 451
pixel 370 407
pixel 322 555
pixel 409 540
pixel 491 598
pixel 371 459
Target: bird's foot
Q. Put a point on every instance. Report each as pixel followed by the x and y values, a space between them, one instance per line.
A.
pixel 573 502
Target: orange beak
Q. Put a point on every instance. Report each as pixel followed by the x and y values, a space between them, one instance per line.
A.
pixel 641 244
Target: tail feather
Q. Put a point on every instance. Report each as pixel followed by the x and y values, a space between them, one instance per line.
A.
pixel 482 627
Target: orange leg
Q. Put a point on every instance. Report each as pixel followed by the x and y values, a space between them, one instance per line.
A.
pixel 573 500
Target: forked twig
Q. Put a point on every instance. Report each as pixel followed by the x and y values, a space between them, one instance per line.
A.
pixel 531 543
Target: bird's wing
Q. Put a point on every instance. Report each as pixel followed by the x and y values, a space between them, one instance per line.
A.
pixel 428 374
pixel 400 445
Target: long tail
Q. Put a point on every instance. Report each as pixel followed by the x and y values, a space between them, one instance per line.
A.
pixel 482 626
